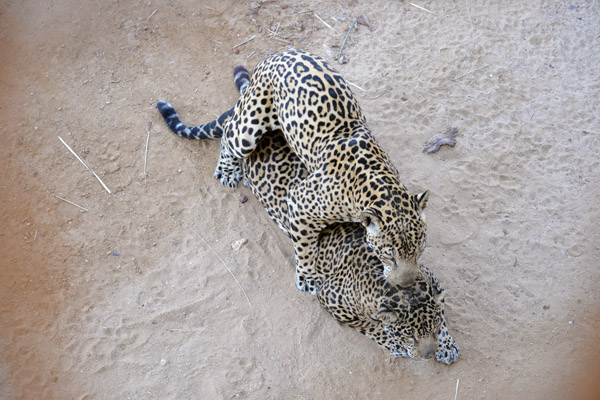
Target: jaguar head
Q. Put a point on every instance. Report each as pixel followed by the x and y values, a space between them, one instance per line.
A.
pixel 396 234
pixel 414 320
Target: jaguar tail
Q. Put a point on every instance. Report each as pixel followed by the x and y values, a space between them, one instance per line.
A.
pixel 210 130
pixel 241 78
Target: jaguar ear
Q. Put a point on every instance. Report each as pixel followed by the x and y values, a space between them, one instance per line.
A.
pixel 370 222
pixel 439 293
pixel 422 199
pixel 436 289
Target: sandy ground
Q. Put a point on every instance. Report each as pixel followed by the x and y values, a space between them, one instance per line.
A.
pixel 133 300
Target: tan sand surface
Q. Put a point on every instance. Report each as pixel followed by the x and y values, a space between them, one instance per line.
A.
pixel 132 299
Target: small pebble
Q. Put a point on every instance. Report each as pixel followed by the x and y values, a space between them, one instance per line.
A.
pixel 238 244
pixel 243 198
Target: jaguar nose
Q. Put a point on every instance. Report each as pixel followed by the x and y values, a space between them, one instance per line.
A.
pixel 425 348
pixel 428 351
pixel 403 273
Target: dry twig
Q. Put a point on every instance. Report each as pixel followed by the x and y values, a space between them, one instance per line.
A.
pixel 456 392
pixel 325 23
pixel 346 39
pixel 470 72
pixel 146 153
pixel 70 202
pixel 421 8
pixel 302 12
pixel 355 85
pixel 281 40
pixel 150 16
pixel 225 265
pixel 415 75
pixel 244 42
pixel 85 165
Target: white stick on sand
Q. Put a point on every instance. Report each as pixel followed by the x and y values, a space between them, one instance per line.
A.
pixel 150 16
pixel 83 162
pixel 146 153
pixel 325 23
pixel 70 202
pixel 422 8
pixel 225 265
pixel 470 72
pixel 355 85
pixel 456 392
pixel 244 42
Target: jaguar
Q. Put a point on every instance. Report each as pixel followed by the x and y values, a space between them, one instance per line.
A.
pixel 407 321
pixel 350 177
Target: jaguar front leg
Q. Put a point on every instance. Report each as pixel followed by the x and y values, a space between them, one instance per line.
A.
pixel 305 247
pixel 307 213
pixel 447 349
pixel 379 333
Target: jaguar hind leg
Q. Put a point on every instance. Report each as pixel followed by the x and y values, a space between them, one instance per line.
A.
pixel 254 114
pixel 229 169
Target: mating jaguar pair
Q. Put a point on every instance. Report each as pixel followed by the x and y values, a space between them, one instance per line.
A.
pixel 299 140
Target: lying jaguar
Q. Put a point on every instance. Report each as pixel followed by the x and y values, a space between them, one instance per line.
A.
pixel 407 321
pixel 350 178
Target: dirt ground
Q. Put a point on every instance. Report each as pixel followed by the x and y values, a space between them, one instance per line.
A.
pixel 132 299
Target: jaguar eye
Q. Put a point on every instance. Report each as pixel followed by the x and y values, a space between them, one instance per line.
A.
pixel 387 254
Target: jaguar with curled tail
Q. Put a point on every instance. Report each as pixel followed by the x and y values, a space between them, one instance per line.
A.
pixel 406 321
pixel 351 179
